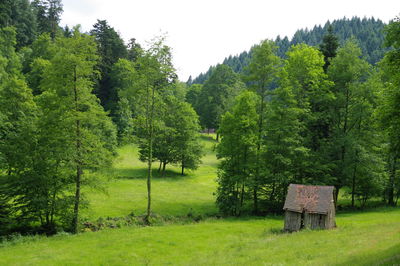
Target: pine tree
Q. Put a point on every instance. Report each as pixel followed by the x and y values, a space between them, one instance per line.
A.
pixel 329 46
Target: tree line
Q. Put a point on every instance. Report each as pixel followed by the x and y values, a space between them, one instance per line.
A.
pixel 68 99
pixel 321 116
pixel 368 32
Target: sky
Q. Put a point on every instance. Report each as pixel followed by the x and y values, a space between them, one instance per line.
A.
pixel 202 33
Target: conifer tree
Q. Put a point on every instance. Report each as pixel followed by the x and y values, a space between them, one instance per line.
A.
pixel 329 46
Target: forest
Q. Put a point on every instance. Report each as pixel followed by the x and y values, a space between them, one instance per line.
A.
pixel 320 109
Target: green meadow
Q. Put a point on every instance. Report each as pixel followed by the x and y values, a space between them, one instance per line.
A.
pixel 370 237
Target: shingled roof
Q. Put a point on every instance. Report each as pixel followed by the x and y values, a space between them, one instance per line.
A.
pixel 311 199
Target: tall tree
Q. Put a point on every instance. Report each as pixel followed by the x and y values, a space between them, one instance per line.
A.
pixel 262 72
pixel 88 135
pixel 111 47
pixel 389 108
pixel 19 14
pixel 155 77
pixel 18 116
pixel 348 72
pixel 48 15
pixel 238 151
pixel 329 46
pixel 284 142
pixel 312 91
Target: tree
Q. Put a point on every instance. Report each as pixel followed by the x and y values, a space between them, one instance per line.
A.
pixel 18 116
pixel 329 46
pixel 111 47
pixel 48 15
pixel 19 14
pixel 238 151
pixel 41 51
pixel 176 137
pixel 217 95
pixel 284 143
pixel 348 72
pixel 193 96
pixel 123 81
pixel 87 134
pixel 155 76
pixel 312 92
pixel 262 72
pixel 388 111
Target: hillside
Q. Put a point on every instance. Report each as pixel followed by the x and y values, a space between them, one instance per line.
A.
pixel 368 32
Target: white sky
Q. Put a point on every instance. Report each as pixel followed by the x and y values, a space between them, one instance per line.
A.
pixel 204 32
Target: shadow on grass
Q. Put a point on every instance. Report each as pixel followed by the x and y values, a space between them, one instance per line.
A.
pixel 390 256
pixel 376 209
pixel 208 137
pixel 141 173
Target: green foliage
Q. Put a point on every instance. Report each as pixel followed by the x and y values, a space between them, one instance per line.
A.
pixel 111 47
pixel 193 96
pixel 48 15
pixel 123 79
pixel 368 32
pixel 19 14
pixel 262 72
pixel 76 133
pixel 175 140
pixel 238 149
pixel 328 47
pixel 353 135
pixel 217 95
pixel 17 115
pixel 284 154
pixel 388 110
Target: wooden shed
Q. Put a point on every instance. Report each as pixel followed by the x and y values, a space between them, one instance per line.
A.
pixel 309 207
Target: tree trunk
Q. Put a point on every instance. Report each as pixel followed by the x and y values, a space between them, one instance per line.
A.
pixel 337 188
pixel 217 138
pixel 163 168
pixel 260 125
pixel 183 169
pixel 392 176
pixel 353 186
pixel 75 220
pixel 241 199
pixel 150 154
pixel 159 168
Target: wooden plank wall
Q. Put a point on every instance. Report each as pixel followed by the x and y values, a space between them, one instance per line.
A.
pixel 292 221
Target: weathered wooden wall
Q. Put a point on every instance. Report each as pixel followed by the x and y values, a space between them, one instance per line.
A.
pixel 314 220
pixel 292 221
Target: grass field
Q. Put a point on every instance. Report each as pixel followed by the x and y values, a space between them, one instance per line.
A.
pixel 172 195
pixel 367 238
pixel 361 238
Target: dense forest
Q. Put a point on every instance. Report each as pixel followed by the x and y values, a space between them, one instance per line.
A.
pixel 319 109
pixel 368 33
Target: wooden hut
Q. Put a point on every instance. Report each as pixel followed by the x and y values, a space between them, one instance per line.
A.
pixel 309 207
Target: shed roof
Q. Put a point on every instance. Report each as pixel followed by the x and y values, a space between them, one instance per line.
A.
pixel 311 199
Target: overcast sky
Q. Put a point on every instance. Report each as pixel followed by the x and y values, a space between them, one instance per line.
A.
pixel 204 32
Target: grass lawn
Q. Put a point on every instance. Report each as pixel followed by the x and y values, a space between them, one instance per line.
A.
pixel 364 238
pixel 171 195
